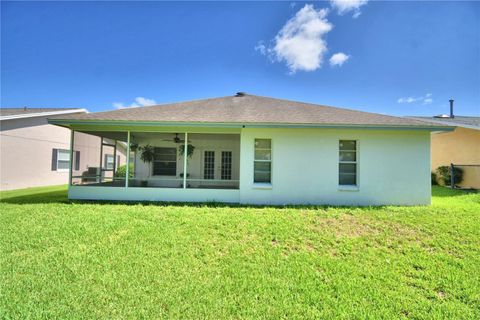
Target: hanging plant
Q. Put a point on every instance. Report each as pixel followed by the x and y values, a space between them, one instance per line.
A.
pixel 147 154
pixel 133 146
pixel 190 149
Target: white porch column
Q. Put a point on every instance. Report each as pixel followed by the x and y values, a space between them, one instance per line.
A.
pixel 128 160
pixel 70 172
pixel 185 168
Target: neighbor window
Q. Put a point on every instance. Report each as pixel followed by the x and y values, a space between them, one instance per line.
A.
pixel 109 161
pixel 165 162
pixel 63 159
pixel 262 165
pixel 347 168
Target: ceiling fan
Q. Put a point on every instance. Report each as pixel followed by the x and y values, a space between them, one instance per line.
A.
pixel 175 139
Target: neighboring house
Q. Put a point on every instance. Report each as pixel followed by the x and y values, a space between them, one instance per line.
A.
pixel 257 150
pixel 460 147
pixel 35 153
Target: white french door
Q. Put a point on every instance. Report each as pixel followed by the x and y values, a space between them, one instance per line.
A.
pixel 217 165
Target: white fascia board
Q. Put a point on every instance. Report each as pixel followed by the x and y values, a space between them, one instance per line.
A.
pixel 42 114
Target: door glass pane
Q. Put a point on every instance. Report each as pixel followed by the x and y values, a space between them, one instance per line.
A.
pixel 209 165
pixel 226 173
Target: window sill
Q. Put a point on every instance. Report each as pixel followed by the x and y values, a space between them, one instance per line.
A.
pixel 348 188
pixel 263 186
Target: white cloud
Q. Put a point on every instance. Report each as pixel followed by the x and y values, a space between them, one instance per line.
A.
pixel 138 102
pixel 426 99
pixel 300 42
pixel 338 59
pixel 345 6
pixel 261 47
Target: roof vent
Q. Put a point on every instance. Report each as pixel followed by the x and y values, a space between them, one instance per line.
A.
pixel 240 94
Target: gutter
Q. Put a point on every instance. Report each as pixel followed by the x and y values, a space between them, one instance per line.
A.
pixel 446 123
pixel 69 122
pixel 42 114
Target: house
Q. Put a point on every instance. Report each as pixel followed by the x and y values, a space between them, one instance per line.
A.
pixel 460 147
pixel 257 150
pixel 35 153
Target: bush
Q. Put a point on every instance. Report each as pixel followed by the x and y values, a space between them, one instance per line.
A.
pixel 444 173
pixel 122 171
pixel 434 179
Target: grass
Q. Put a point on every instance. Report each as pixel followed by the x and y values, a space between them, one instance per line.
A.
pixel 91 260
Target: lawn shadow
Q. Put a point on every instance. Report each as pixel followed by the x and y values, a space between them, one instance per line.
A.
pixel 57 196
pixel 60 196
pixel 443 192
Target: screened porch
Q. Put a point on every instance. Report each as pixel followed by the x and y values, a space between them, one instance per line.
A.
pixel 156 160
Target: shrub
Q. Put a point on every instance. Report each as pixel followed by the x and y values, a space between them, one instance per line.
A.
pixel 444 173
pixel 122 171
pixel 434 179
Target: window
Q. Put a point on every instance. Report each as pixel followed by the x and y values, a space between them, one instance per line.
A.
pixel 63 160
pixel 109 162
pixel 347 168
pixel 262 165
pixel 165 162
pixel 209 165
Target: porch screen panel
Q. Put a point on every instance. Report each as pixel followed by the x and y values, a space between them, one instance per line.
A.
pixel 226 173
pixel 209 165
pixel 165 162
pixel 262 166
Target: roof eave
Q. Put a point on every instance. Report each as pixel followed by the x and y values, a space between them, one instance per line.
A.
pixel 42 114
pixel 69 122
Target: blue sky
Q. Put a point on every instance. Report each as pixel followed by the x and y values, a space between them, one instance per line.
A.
pixel 400 58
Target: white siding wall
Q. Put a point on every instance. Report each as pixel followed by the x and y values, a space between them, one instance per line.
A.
pixel 394 167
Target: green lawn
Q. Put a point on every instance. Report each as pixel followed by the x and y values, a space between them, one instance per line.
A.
pixel 97 260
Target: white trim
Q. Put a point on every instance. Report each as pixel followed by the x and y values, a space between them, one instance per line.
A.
pixel 153 194
pixel 70 167
pixel 348 188
pixel 185 162
pixel 127 171
pixel 262 185
pixel 42 114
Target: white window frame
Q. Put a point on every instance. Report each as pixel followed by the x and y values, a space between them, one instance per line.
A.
pixel 58 160
pixel 263 185
pixel 349 187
